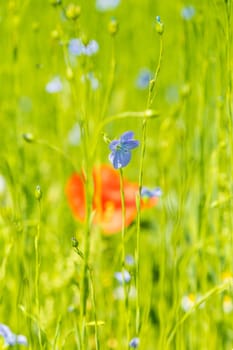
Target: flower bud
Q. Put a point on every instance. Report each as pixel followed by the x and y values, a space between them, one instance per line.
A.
pixel 85 39
pixel 38 193
pixel 28 137
pixel 185 90
pixel 69 73
pixel 55 35
pixel 151 113
pixel 159 26
pixel 113 26
pixel 74 242
pixel 55 2
pixel 151 85
pixel 73 11
pixel 106 138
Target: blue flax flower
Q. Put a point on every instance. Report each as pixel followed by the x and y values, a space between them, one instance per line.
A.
pixel 143 79
pixel 104 5
pixel 54 85
pixel 147 193
pixel 188 12
pixel 134 342
pixel 122 277
pixel 10 338
pixel 121 150
pixel 78 48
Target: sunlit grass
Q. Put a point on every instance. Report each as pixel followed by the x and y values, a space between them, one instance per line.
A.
pixel 58 113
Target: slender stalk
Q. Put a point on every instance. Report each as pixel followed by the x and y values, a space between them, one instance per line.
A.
pixel 123 231
pixel 84 280
pixel 37 272
pixel 92 285
pixel 151 96
pixel 111 80
pixel 91 277
pixel 229 104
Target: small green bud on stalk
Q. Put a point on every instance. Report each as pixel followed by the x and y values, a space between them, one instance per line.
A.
pixel 113 26
pixel 28 137
pixel 73 11
pixel 185 90
pixel 69 73
pixel 38 193
pixel 74 242
pixel 159 26
pixel 55 35
pixel 151 113
pixel 55 2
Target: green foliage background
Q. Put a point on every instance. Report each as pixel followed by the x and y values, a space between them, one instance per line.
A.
pixel 186 241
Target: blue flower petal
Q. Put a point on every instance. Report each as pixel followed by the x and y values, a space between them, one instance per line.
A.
pixel 131 144
pixel 76 47
pixel 122 277
pixel 188 12
pixel 121 155
pixel 128 135
pixel 134 342
pixel 113 145
pixel 143 79
pixel 11 338
pixel 7 334
pixel 54 85
pixel 21 339
pixel 92 48
pixel 147 193
pixel 104 5
pixel 120 158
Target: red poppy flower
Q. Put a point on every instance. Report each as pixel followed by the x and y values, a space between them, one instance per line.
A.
pixel 107 199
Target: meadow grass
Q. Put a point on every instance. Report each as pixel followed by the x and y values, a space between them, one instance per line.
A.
pixel 58 284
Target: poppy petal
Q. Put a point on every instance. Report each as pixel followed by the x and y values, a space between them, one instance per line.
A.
pixel 107 199
pixel 76 196
pixel 113 223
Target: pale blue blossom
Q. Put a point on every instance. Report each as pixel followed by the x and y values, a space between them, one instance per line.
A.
pixel 123 276
pixel 78 48
pixel 105 5
pixel 121 150
pixel 150 193
pixel 134 342
pixel 129 260
pixel 119 293
pixel 74 135
pixel 143 79
pixel 55 85
pixel 2 185
pixel 188 12
pixel 10 338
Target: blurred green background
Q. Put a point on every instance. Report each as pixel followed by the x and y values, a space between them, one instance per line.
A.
pixel 186 242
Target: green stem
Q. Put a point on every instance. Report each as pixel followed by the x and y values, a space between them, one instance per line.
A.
pixel 151 96
pixel 37 274
pixel 123 231
pixel 111 80
pixel 97 341
pixel 93 295
pixel 229 108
